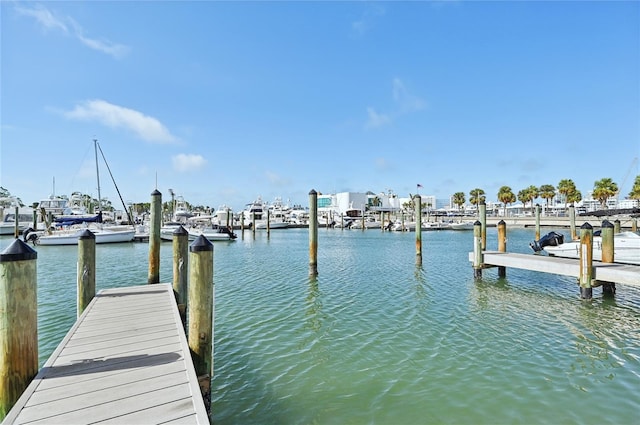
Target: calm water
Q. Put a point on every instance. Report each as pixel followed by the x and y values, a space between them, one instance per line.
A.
pixel 376 340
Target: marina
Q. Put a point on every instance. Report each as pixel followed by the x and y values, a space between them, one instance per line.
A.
pixel 375 338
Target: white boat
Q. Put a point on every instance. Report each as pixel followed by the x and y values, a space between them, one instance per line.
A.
pixel 8 222
pixel 435 225
pixel 71 236
pixel 257 211
pixel 626 248
pixel 462 225
pixel 213 234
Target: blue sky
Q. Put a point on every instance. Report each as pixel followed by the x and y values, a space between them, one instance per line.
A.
pixel 227 101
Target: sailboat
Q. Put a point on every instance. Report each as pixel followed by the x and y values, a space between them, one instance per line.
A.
pixel 72 228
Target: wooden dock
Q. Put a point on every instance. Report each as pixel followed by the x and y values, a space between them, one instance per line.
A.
pixel 125 361
pixel 602 272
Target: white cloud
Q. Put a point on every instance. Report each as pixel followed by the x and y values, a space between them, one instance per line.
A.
pixel 49 21
pixel 43 16
pixel 145 127
pixel 405 101
pixel 367 20
pixel 188 162
pixel 375 119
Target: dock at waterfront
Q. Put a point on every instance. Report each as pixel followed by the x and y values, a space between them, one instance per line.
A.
pixel 627 274
pixel 126 360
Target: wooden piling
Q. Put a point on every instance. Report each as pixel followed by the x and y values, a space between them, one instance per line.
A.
pixel 502 245
pixel 86 274
pixel 200 312
pixel 18 322
pixel 572 222
pixel 608 248
pixel 634 225
pixel 586 261
pixel 181 270
pixel 154 237
pixel 253 223
pixel 16 223
pixel 418 208
pixel 268 222
pixel 477 250
pixel 616 226
pixel 313 233
pixel 483 222
pixel 537 222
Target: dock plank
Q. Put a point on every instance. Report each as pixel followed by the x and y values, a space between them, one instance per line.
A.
pixel 608 272
pixel 126 360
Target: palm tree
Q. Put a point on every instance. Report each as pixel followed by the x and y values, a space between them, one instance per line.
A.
pixel 635 190
pixel 574 197
pixel 567 188
pixel 528 195
pixel 547 192
pixel 458 199
pixel 604 189
pixel 506 196
pixel 476 197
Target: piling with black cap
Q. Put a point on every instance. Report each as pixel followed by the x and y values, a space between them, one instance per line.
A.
pixel 181 269
pixel 418 208
pixel 586 261
pixel 483 224
pixel 18 322
pixel 537 222
pixel 617 226
pixel 502 245
pixel 154 237
pixel 478 259
pixel 86 275
pixel 572 222
pixel 607 247
pixel 313 233
pixel 200 312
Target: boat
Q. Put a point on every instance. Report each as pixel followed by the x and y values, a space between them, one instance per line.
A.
pixel 257 210
pixel 70 221
pixel 626 247
pixel 8 214
pixel 70 236
pixel 219 233
pixel 461 225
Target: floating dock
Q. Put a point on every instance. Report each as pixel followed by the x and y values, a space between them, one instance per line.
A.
pixel 627 274
pixel 125 361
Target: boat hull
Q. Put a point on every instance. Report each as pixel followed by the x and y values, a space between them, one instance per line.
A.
pixel 102 237
pixel 626 248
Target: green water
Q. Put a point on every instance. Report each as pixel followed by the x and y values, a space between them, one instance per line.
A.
pixel 374 339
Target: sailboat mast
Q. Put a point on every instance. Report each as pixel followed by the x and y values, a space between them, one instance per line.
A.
pixel 95 148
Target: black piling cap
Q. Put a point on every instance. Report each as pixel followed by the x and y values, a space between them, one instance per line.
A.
pixel 607 224
pixel 201 244
pixel 156 193
pixel 18 251
pixel 477 223
pixel 180 231
pixel 586 226
pixel 87 234
pixel 313 192
pixel 501 222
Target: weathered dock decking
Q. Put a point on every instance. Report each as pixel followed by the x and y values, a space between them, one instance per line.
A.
pixel 603 272
pixel 126 360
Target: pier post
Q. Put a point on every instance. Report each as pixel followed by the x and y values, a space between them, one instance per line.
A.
pixel 483 222
pixel 200 311
pixel 477 250
pixel 181 270
pixel 16 223
pixel 253 223
pixel 268 222
pixel 418 209
pixel 616 226
pixel 382 221
pixel 313 233
pixel 537 222
pixel 586 261
pixel 362 221
pixel 572 222
pixel 18 322
pixel 86 274
pixel 634 225
pixel 607 247
pixel 341 221
pixel 154 237
pixel 502 245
